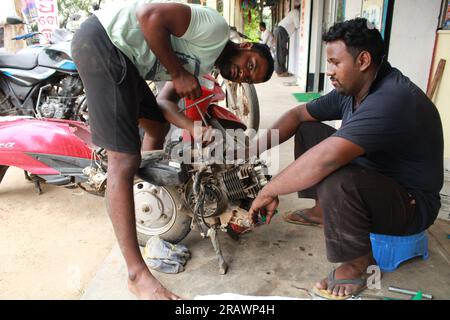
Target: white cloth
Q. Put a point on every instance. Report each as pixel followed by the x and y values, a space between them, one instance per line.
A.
pixel 164 256
pixel 267 38
pixel 291 22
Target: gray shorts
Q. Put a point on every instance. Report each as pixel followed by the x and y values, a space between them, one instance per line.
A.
pixel 117 95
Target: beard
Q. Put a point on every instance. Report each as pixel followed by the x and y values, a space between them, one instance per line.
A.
pixel 337 86
pixel 225 70
pixel 226 65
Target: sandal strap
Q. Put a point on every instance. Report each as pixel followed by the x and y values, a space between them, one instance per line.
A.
pixel 332 281
pixel 304 216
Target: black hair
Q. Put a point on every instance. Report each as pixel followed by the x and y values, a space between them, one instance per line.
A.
pixel 264 51
pixel 262 24
pixel 358 35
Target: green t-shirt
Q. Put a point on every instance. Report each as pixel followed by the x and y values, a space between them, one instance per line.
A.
pixel 198 48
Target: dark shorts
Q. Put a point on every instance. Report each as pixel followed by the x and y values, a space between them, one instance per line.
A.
pixel 117 96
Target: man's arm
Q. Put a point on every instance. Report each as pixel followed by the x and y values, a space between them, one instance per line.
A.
pixel 308 170
pixel 287 126
pixel 313 166
pixel 158 22
pixel 167 101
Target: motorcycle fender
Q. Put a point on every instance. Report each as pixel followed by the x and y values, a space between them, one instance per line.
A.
pixel 29 143
pixel 163 173
pixel 226 118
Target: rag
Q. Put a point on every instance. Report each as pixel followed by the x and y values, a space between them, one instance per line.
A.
pixel 164 256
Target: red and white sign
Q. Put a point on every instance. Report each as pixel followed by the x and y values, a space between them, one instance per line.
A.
pixel 47 17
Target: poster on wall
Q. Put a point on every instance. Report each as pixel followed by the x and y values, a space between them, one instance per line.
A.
pixel 47 18
pixel 340 11
pixel 447 18
pixel 29 11
pixel 375 11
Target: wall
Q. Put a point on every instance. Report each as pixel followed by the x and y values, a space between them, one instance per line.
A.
pixel 413 30
pixel 316 31
pixel 299 46
pixel 294 42
pixel 226 10
pixel 442 96
pixel 353 9
pixel 211 4
pixel 233 14
pixel 7 10
pixel 414 26
pixel 238 16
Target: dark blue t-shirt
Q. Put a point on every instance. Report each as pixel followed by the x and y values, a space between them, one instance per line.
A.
pixel 401 132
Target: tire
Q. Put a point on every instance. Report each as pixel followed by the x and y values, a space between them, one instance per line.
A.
pixel 81 113
pixel 242 100
pixel 3 170
pixel 6 107
pixel 162 202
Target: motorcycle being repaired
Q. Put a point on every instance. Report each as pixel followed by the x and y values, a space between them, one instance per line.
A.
pixel 172 196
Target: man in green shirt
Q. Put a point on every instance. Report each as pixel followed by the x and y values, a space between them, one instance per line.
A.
pixel 115 52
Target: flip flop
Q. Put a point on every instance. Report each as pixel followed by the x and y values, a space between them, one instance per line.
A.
pixel 332 282
pixel 304 216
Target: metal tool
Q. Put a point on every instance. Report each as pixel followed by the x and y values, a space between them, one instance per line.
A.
pixel 409 292
pixel 196 103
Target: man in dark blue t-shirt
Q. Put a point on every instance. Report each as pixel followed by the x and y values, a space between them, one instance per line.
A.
pixel 381 172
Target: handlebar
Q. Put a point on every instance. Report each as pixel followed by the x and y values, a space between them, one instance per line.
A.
pixel 25 36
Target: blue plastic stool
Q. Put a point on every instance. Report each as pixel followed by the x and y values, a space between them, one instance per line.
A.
pixel 391 251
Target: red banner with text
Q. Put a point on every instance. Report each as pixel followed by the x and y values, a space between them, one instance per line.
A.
pixel 47 17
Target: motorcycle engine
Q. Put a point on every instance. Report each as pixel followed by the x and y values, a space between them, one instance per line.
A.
pixel 244 181
pixel 226 186
pixel 62 100
pixel 52 108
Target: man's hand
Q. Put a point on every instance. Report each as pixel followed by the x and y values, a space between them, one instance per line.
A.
pixel 186 85
pixel 205 135
pixel 265 205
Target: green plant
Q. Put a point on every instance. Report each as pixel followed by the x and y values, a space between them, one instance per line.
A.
pixel 251 28
pixel 67 8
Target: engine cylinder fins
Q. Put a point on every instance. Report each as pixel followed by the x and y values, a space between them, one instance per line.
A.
pixel 243 182
pixel 233 183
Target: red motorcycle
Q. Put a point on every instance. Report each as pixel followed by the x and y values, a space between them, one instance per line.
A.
pixel 172 195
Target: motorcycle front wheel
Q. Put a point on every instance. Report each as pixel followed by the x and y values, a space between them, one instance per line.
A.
pixel 160 211
pixel 242 100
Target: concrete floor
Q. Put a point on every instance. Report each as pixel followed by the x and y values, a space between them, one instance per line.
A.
pixel 51 245
pixel 280 259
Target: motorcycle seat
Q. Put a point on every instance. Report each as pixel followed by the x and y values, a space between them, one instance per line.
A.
pixel 24 61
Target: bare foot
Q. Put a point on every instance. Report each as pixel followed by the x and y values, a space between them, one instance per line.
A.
pixel 146 287
pixel 350 270
pixel 314 215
